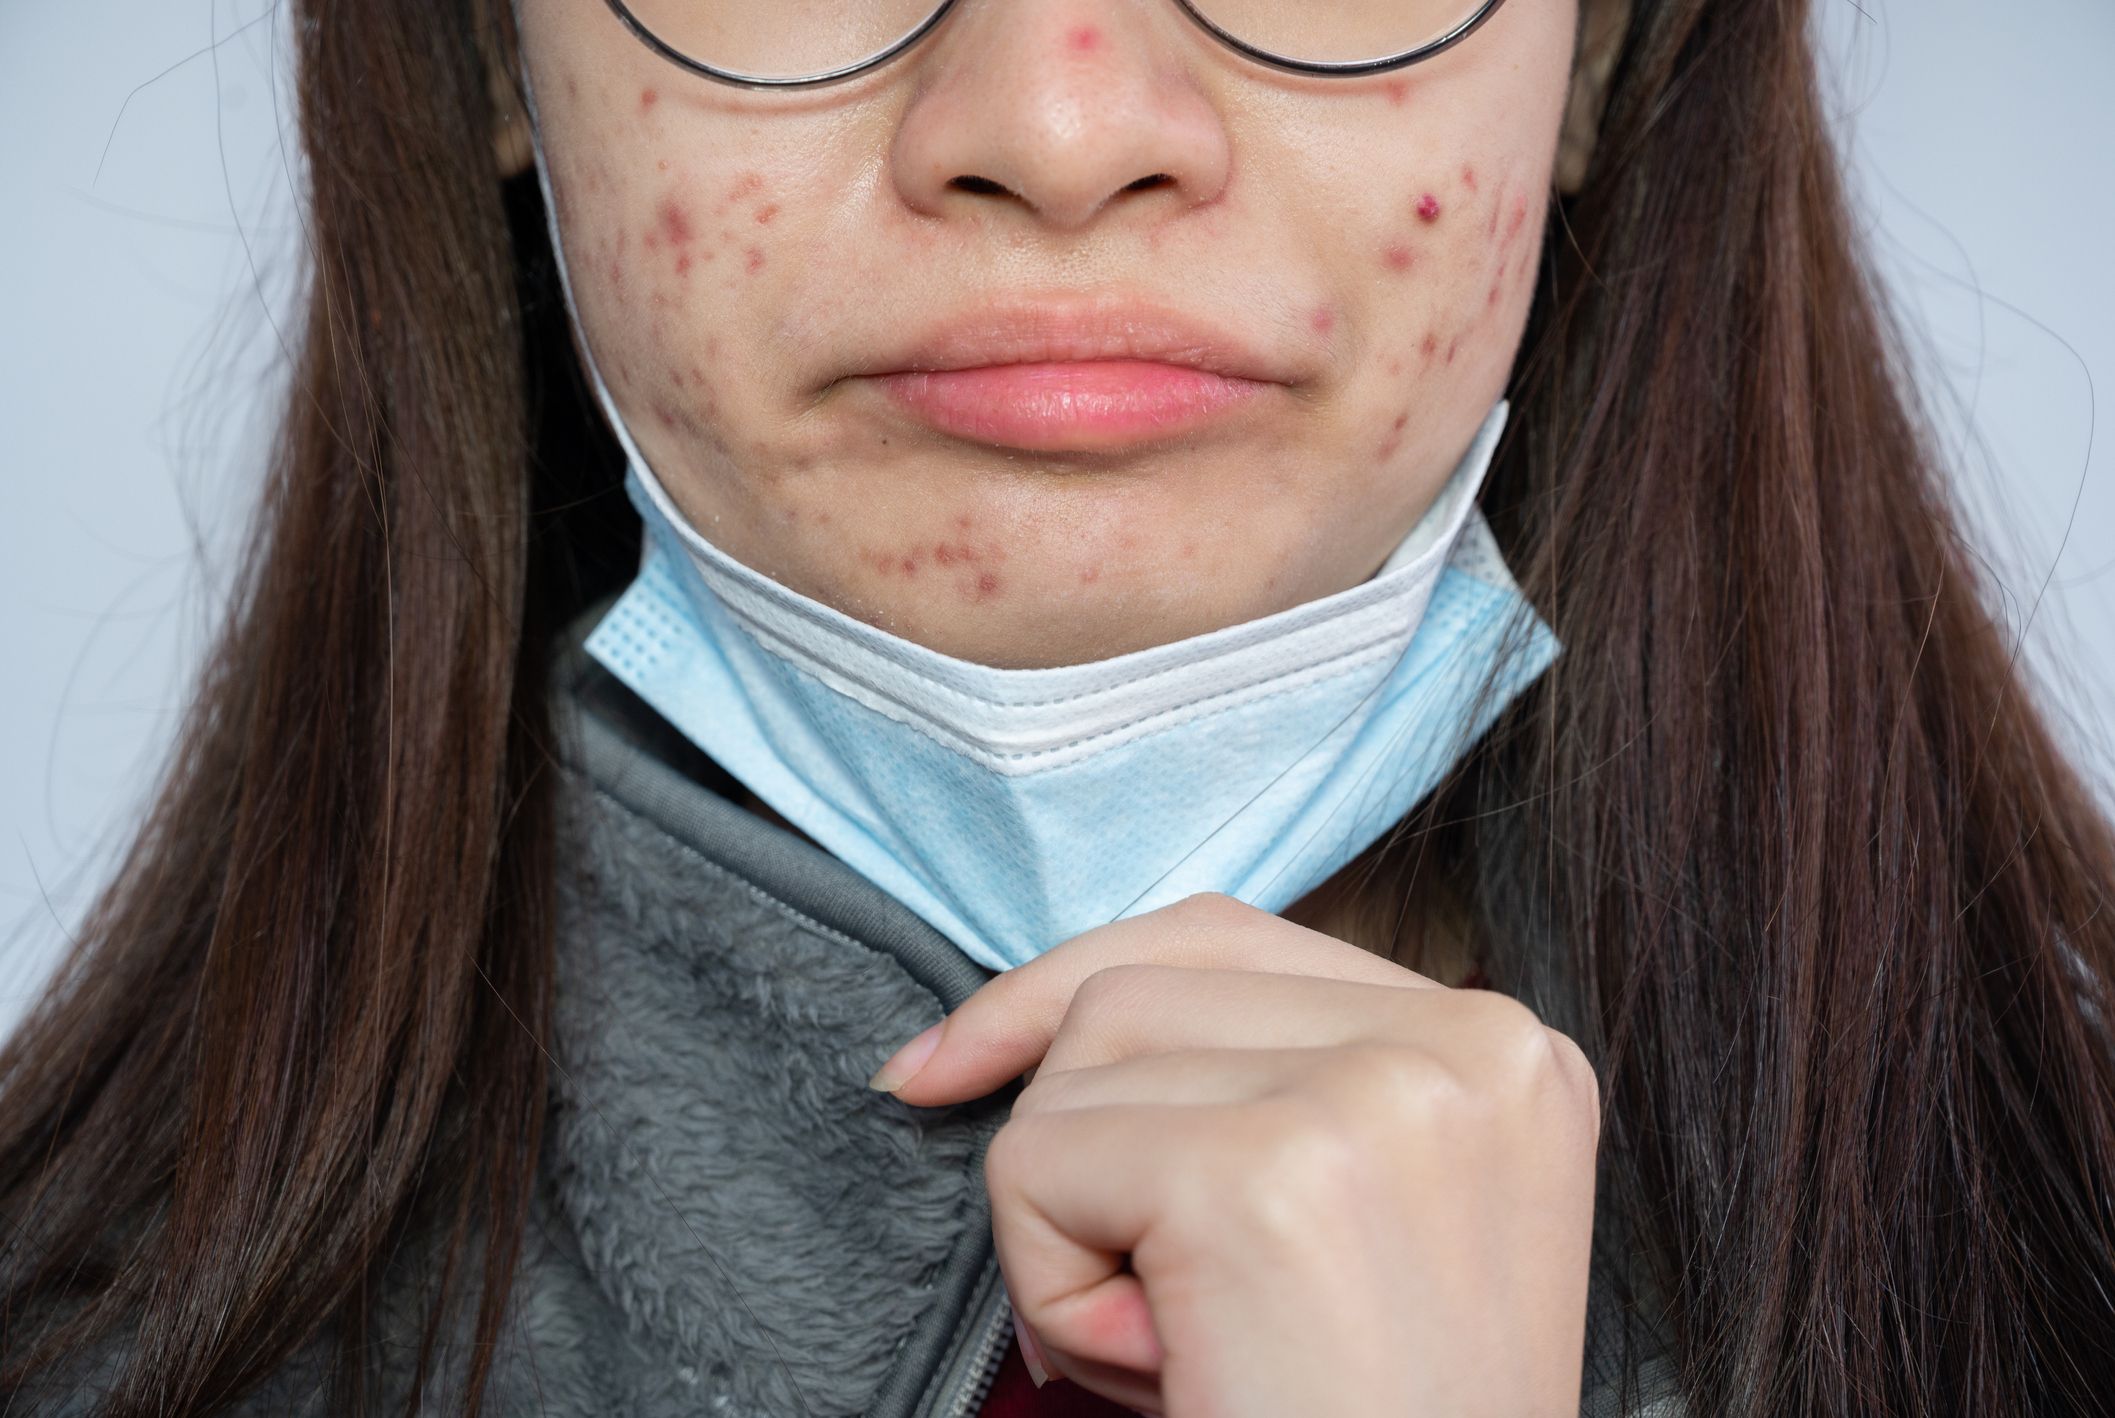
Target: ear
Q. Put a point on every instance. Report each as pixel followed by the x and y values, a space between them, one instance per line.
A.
pixel 1602 29
pixel 512 148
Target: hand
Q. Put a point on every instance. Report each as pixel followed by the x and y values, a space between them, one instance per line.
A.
pixel 1259 1171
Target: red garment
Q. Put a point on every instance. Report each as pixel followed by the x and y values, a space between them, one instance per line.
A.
pixel 1014 1395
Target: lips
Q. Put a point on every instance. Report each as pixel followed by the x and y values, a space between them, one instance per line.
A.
pixel 1075 375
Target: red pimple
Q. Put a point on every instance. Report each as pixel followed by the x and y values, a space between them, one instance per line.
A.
pixel 675 222
pixel 765 213
pixel 666 415
pixel 1084 39
pixel 1453 348
pixel 1400 421
pixel 1492 298
pixel 910 566
pixel 1324 320
pixel 756 260
pixel 1395 366
pixel 647 99
pixel 616 273
pixel 1397 258
pixel 1468 177
pixel 1430 344
pixel 1091 575
pixel 1397 90
pixel 1519 218
pixel 683 264
pixel 962 521
pixel 1428 208
pixel 747 183
pixel 1189 549
pixel 987 584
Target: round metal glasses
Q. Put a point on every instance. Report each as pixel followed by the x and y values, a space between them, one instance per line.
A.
pixel 804 37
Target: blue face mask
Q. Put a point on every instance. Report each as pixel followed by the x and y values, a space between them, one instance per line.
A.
pixel 1014 809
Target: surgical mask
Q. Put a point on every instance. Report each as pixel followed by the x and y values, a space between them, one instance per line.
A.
pixel 1016 808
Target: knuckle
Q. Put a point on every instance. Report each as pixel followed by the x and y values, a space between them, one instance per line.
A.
pixel 1212 908
pixel 1576 1077
pixel 1512 1037
pixel 1113 985
pixel 1007 1160
pixel 1300 1164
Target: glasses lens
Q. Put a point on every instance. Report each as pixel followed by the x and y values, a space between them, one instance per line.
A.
pixel 780 39
pixel 1337 31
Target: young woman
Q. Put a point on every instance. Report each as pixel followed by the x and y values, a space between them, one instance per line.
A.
pixel 1351 593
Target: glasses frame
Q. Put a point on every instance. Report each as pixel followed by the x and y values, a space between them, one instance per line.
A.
pixel 1349 68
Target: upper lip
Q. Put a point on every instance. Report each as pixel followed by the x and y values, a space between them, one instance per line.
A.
pixel 1061 328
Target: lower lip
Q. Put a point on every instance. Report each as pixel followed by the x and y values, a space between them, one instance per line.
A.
pixel 1077 405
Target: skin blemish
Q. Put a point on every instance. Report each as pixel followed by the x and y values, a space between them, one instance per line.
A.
pixel 765 213
pixel 1189 549
pixel 675 222
pixel 1397 257
pixel 1492 298
pixel 987 585
pixel 1084 39
pixel 647 99
pixel 1395 366
pixel 962 522
pixel 1398 91
pixel 755 261
pixel 1428 208
pixel 1324 320
pixel 954 553
pixel 1468 178
pixel 616 273
pixel 683 264
pixel 1091 575
pixel 1453 348
pixel 1519 219
pixel 1430 346
pixel 748 184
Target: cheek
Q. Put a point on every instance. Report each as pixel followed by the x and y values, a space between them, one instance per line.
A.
pixel 1454 257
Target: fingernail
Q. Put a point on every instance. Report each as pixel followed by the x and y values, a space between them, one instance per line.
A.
pixel 1031 1353
pixel 906 1061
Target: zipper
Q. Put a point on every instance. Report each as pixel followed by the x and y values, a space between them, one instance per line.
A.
pixel 973 1368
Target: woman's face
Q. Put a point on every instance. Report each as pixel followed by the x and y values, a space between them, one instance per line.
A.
pixel 752 268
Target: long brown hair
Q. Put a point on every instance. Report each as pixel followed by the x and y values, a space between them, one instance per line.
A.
pixel 1781 840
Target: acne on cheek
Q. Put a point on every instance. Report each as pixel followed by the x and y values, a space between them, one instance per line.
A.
pixel 1510 209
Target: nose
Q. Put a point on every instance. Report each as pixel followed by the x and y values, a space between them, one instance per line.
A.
pixel 1058 111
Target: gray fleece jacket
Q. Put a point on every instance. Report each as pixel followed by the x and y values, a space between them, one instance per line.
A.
pixel 727 1220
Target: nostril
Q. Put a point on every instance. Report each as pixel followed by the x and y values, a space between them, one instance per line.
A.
pixel 983 185
pixel 1143 183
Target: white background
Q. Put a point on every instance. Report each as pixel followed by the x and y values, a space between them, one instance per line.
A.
pixel 149 259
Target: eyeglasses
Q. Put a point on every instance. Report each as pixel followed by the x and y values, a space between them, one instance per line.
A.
pixel 794 43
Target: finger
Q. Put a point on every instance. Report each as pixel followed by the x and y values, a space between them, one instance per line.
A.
pixel 1191 1077
pixel 1130 1011
pixel 1073 1193
pixel 1007 1025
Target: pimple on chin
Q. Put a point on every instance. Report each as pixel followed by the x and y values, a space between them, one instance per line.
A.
pixel 1428 208
pixel 1084 39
